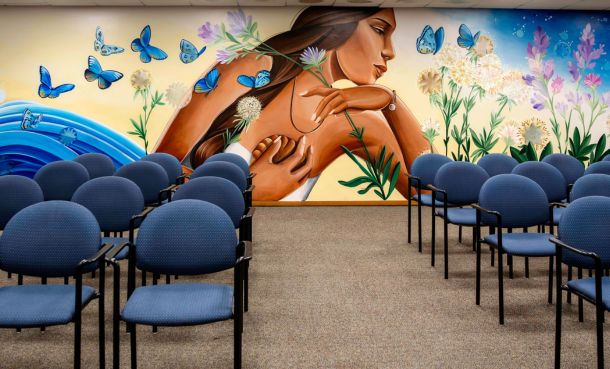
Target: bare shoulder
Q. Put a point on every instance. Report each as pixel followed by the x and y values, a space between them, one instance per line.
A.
pixel 249 65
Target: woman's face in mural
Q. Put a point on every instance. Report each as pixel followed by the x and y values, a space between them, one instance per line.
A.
pixel 363 57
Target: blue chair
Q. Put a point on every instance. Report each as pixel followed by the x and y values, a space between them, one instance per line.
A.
pixel 224 194
pixel 65 243
pixel 458 183
pixel 584 242
pixel 59 179
pixel 172 166
pixel 118 205
pixel 98 165
pixel 513 201
pixel 150 177
pixel 591 185
pixel 228 171
pixel 601 167
pixel 569 166
pixel 422 173
pixel 184 237
pixel 495 164
pixel 235 159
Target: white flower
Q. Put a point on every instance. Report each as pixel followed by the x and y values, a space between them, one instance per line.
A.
pixel 2 95
pixel 174 94
pixel 534 131
pixel 141 79
pixel 514 87
pixel 463 72
pixel 430 124
pixel 449 55
pixel 484 46
pixel 249 108
pixel 509 133
pixel 313 57
pixel 489 73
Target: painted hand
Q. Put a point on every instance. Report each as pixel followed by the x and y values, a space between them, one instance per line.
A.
pixel 277 178
pixel 337 100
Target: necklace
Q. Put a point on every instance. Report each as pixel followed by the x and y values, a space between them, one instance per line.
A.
pixel 294 83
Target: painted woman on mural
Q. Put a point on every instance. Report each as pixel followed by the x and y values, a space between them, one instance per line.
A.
pixel 302 125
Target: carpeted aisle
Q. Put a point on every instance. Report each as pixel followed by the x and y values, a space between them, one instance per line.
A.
pixel 339 287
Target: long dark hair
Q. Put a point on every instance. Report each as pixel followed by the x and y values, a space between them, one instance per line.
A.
pixel 322 27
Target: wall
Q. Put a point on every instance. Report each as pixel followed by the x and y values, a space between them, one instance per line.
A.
pixel 491 90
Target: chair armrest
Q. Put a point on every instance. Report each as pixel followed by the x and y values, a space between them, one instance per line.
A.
pixel 99 255
pixel 564 245
pixel 558 205
pixel 491 212
pixel 244 249
pixel 245 226
pixel 111 255
pixel 181 178
pixel 434 190
pixel 140 217
pixel 249 189
pixel 414 178
pixel 168 192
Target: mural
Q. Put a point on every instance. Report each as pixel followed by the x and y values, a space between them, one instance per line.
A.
pixel 325 103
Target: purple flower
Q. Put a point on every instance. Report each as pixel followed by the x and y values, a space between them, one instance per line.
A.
pixel 561 107
pixel 528 79
pixel 586 53
pixel 541 43
pixel 593 80
pixel 605 99
pixel 209 32
pixel 239 22
pixel 312 56
pixel 574 98
pixel 226 56
pixel 540 87
pixel 557 84
pixel 574 71
pixel 537 102
pixel 549 69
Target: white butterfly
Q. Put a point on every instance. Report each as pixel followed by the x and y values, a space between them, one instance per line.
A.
pixel 101 47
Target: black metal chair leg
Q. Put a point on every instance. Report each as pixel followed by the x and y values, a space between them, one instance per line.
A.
pixel 550 280
pixel 134 354
pixel 101 315
pixel 500 287
pixel 446 244
pixel 419 226
pixel 558 311
pixel 460 234
pixel 478 272
pixel 10 275
pixel 409 218
pixel 433 240
pixel 527 267
pixel 474 244
pixel 599 323
pixel 510 266
pixel 581 316
pixel 77 321
pixel 569 299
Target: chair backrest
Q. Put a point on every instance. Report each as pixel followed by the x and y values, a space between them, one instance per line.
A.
pixel 172 166
pixel 224 170
pixel 17 192
pixel 59 179
pixel 426 166
pixel 149 176
pixel 569 166
pixel 186 237
pixel 231 158
pixel 520 201
pixel 495 164
pixel 601 167
pixel 218 191
pixel 591 185
pixel 547 176
pixel 112 200
pixel 98 165
pixel 462 181
pixel 584 225
pixel 49 239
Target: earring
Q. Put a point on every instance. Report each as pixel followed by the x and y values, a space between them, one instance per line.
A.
pixel 392 105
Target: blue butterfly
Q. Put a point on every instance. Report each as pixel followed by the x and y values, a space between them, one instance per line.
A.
pixel 104 78
pixel 208 83
pixel 147 51
pixel 67 136
pixel 261 79
pixel 46 89
pixel 30 120
pixel 101 47
pixel 466 39
pixel 189 52
pixel 430 42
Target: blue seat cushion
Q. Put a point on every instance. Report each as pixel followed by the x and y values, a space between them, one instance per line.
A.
pixel 117 241
pixel 38 305
pixel 557 215
pixel 426 200
pixel 179 304
pixel 587 288
pixel 460 216
pixel 524 244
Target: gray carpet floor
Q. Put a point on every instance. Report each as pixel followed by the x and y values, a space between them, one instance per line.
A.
pixel 339 287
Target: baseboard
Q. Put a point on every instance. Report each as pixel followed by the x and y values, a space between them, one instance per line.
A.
pixel 331 203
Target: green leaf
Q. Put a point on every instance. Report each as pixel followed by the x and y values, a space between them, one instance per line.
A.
pixel 380 161
pixel 514 152
pixel 380 194
pixel 366 189
pixel 530 153
pixel 355 160
pixel 355 182
pixel 386 169
pixel 394 179
pixel 548 150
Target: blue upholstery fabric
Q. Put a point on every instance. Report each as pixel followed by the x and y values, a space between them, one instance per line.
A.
pixel 231 158
pixel 172 166
pixel 591 185
pixel 460 216
pixel 569 166
pixel 49 239
pixel 113 201
pixel 215 190
pixel 179 304
pixel 547 176
pixel 17 192
pixel 462 181
pixel 587 288
pixel 426 199
pixel 557 213
pixel 97 165
pixel 59 179
pixel 37 305
pixel 524 244
pixel 149 176
pixel 186 237
pixel 495 164
pixel 584 225
pixel 426 166
pixel 224 170
pixel 117 241
pixel 520 201
pixel 601 167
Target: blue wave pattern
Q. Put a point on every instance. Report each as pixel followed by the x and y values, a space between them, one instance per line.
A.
pixel 23 152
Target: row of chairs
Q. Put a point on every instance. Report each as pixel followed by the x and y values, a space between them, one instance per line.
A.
pixel 190 221
pixel 503 195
